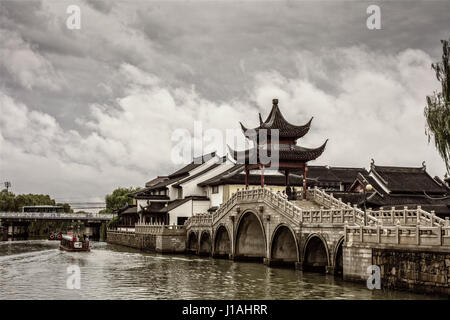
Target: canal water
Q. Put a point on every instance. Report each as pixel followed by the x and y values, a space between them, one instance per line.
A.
pixel 37 269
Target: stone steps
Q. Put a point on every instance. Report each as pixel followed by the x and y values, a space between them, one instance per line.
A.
pixel 306 204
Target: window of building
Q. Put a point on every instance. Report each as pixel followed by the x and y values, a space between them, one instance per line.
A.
pixel 215 189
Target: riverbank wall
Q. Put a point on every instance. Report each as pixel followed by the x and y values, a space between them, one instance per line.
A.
pixel 424 270
pixel 152 238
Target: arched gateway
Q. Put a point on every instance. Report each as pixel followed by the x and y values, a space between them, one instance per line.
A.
pixel 222 243
pixel 205 244
pixel 315 254
pixel 284 248
pixel 192 243
pixel 250 240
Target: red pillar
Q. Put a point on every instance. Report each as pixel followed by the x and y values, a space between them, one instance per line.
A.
pixel 246 178
pixel 262 176
pixel 304 181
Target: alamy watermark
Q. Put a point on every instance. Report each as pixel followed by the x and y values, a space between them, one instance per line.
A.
pixel 73 21
pixel 253 147
pixel 74 279
pixel 374 280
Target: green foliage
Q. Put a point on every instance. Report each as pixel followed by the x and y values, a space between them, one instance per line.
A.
pixel 11 202
pixel 33 200
pixel 437 111
pixel 7 201
pixel 118 199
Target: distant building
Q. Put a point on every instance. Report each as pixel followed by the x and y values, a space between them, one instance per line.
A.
pixel 399 187
pixel 333 178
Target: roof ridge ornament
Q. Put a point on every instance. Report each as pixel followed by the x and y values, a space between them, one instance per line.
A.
pixel 424 167
pixel 275 102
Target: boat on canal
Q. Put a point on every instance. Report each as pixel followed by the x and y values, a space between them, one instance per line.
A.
pixel 74 242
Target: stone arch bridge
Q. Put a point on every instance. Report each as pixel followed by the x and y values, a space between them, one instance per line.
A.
pixel 310 234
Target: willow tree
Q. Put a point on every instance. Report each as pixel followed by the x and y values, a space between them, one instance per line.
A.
pixel 437 111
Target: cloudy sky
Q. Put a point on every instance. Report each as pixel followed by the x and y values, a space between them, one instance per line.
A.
pixel 85 111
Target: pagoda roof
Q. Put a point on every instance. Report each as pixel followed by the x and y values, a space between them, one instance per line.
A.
pixel 287 153
pixel 275 120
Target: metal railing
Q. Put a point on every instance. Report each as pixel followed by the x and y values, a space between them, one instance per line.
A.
pixel 56 216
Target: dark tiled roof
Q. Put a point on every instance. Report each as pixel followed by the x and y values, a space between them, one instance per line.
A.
pixel 408 180
pixel 334 174
pixel 237 168
pixel 275 120
pixel 145 193
pixel 194 164
pixel 188 178
pixel 235 175
pixel 156 180
pixel 176 203
pixel 130 209
pixel 286 153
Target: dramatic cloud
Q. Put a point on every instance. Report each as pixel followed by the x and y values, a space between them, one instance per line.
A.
pixel 85 111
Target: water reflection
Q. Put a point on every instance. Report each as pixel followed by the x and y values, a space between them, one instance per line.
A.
pixel 37 269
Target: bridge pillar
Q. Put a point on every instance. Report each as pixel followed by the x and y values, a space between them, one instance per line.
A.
pixel 17 229
pixel 92 230
pixel 329 269
pixel 298 266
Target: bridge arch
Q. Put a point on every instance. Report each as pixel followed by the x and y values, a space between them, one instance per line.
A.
pixel 222 242
pixel 284 245
pixel 205 244
pixel 315 254
pixel 339 257
pixel 192 242
pixel 250 237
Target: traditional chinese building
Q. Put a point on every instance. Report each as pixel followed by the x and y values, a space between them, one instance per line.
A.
pixel 276 134
pixel 399 187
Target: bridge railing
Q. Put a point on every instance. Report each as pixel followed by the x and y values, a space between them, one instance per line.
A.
pixel 398 235
pixel 151 228
pixel 329 201
pixel 392 216
pixel 407 216
pixel 200 219
pixel 121 230
pixel 340 213
pixel 331 216
pixel 55 215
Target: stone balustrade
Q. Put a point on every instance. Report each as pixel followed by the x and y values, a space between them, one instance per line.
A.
pixel 122 230
pixel 392 216
pixel 155 229
pixel 336 212
pixel 199 220
pixel 398 235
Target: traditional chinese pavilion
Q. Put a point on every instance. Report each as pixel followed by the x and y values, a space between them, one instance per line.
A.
pixel 291 157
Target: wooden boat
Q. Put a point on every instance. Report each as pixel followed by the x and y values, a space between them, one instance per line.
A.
pixel 74 242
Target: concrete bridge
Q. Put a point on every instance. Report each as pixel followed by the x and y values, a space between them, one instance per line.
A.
pixel 17 222
pixel 319 233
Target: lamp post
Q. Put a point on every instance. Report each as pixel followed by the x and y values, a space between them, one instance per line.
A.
pixel 367 187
